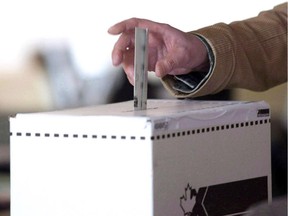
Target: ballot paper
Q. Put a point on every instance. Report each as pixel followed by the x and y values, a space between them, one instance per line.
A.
pixel 141 69
pixel 177 157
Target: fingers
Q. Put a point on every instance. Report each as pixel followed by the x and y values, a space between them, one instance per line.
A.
pixel 123 26
pixel 130 24
pixel 166 65
pixel 131 80
pixel 128 66
pixel 129 70
pixel 159 61
pixel 124 44
pixel 170 65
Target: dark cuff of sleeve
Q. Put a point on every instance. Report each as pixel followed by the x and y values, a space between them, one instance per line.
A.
pixel 189 83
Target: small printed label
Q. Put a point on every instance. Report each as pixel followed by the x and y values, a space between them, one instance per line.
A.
pixel 263 113
pixel 161 125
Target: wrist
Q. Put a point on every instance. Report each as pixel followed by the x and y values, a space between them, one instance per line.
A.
pixel 208 61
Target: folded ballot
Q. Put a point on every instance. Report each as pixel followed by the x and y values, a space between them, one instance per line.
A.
pixel 177 157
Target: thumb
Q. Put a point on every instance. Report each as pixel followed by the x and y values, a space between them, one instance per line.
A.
pixel 165 66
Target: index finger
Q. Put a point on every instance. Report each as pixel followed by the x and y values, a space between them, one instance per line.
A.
pixel 131 23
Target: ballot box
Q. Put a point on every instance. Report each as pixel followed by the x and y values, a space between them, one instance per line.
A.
pixel 177 157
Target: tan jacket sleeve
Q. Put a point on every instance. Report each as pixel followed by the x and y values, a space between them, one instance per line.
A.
pixel 250 54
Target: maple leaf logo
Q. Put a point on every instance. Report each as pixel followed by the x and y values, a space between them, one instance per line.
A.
pixel 187 201
pixel 191 202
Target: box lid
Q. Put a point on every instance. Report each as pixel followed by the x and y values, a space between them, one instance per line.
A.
pixel 160 115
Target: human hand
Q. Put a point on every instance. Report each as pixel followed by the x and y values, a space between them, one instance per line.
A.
pixel 171 51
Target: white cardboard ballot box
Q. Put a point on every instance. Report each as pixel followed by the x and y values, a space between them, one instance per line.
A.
pixel 178 157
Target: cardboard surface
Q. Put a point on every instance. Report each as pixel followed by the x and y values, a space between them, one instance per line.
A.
pixel 174 158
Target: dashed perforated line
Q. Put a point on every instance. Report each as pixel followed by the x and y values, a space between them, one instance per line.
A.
pixel 210 129
pixel 83 136
pixel 156 137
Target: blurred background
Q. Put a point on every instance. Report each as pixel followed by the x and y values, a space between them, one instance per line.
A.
pixel 57 55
